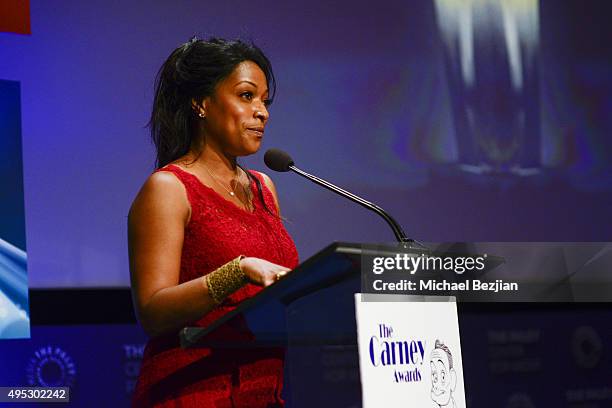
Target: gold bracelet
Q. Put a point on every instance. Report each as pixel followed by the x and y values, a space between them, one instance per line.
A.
pixel 225 280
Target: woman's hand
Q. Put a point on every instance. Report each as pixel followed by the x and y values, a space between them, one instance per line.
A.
pixel 262 272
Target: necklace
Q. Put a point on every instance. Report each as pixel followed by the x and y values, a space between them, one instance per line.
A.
pixel 229 190
pixel 247 205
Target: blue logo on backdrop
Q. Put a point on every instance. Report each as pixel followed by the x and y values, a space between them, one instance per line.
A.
pixel 131 364
pixel 51 367
pixel 406 356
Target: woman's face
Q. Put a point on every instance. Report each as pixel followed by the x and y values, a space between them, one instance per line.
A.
pixel 236 113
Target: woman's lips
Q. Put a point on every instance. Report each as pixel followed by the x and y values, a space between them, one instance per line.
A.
pixel 257 132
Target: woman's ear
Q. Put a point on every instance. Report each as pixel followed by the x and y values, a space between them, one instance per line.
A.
pixel 199 108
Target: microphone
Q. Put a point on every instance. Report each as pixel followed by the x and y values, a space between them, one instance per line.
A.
pixel 279 160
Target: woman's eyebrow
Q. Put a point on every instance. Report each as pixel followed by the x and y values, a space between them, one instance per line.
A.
pixel 251 83
pixel 247 81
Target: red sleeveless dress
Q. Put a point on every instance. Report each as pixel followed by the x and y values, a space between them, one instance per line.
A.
pixel 218 232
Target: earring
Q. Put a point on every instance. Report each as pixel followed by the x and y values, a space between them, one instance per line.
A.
pixel 202 115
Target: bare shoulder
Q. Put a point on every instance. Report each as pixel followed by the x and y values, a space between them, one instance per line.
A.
pixel 161 194
pixel 268 181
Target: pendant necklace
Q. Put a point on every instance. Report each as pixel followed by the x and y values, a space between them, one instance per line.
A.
pixel 246 205
pixel 229 190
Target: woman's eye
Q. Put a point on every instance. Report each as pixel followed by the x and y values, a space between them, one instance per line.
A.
pixel 267 102
pixel 247 95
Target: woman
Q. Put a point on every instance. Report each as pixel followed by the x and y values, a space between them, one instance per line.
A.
pixel 204 234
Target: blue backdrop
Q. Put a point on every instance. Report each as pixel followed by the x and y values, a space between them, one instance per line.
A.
pixel 369 97
pixel 12 219
pixel 14 311
pixel 504 136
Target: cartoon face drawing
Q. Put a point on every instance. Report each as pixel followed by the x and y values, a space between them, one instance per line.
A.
pixel 443 376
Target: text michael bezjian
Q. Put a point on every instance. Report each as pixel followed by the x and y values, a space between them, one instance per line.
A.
pixel 477 285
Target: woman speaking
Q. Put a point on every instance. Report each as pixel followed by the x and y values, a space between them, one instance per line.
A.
pixel 205 233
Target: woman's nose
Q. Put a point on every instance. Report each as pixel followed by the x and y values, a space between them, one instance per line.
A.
pixel 261 112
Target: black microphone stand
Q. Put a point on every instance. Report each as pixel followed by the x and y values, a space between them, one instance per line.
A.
pixel 397 229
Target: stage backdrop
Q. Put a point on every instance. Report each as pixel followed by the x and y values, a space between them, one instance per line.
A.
pixel 480 123
pixel 14 310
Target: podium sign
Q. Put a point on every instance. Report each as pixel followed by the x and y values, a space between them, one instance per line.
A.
pixel 409 351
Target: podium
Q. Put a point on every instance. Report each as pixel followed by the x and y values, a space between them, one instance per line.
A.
pixel 311 311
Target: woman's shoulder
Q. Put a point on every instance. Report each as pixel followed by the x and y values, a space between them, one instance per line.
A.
pixel 269 184
pixel 165 180
pixel 161 192
pixel 263 177
pixel 176 175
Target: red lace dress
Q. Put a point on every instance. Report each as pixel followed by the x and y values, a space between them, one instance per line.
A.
pixel 218 232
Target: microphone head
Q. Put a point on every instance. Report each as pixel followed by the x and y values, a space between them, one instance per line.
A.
pixel 278 160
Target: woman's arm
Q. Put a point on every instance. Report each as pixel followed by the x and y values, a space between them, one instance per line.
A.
pixel 156 226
